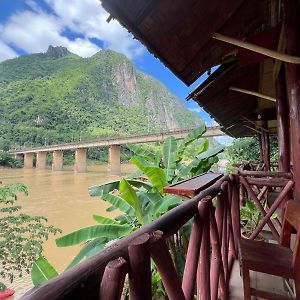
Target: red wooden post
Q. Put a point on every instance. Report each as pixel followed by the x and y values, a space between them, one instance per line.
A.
pixel 282 124
pixel 235 211
pixel 292 30
pixel 203 271
pixel 113 279
pixel 225 230
pixel 261 149
pixel 165 267
pixel 192 257
pixel 217 271
pixel 266 145
pixel 140 270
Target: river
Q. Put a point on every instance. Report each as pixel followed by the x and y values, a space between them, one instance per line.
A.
pixel 63 198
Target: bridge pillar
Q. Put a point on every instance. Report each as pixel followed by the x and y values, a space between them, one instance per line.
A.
pixel 28 160
pixel 41 160
pixel 80 160
pixel 114 164
pixel 57 161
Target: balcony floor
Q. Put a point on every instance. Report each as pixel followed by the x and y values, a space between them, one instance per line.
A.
pixel 258 280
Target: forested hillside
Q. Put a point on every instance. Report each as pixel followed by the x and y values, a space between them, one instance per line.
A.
pixel 57 97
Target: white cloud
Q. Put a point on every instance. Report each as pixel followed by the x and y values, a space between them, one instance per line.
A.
pixel 34 30
pixel 6 52
pixel 89 18
pixel 196 109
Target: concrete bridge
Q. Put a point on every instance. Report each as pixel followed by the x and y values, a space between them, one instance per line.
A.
pixel 113 143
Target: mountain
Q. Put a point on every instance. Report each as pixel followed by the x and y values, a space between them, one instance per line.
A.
pixel 57 97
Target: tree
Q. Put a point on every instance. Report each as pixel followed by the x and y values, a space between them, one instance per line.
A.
pixel 21 235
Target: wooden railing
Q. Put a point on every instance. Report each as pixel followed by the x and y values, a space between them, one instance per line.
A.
pixel 211 251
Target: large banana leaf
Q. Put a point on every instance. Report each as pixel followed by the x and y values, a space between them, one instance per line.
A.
pixel 190 138
pixel 203 146
pixel 146 154
pixel 89 249
pixel 169 156
pixel 42 271
pixel 129 195
pixel 166 204
pixel 105 188
pixel 211 152
pixel 109 231
pixel 155 175
pixel 103 220
pixel 119 203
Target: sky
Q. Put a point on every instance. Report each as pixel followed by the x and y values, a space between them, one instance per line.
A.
pixel 30 26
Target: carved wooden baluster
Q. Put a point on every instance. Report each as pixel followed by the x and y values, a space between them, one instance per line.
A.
pixel 225 231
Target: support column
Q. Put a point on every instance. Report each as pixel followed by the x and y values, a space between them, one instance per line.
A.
pixel 41 160
pixel 292 29
pixel 80 160
pixel 28 160
pixel 261 150
pixel 266 145
pixel 57 161
pixel 114 164
pixel 282 124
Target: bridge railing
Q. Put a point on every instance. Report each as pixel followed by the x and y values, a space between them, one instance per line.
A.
pixel 212 248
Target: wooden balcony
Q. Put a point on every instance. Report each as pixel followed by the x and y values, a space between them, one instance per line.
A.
pixel 210 255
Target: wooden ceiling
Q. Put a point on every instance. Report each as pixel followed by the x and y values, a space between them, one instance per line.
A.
pixel 180 32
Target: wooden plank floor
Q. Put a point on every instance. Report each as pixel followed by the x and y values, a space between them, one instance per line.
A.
pixel 258 280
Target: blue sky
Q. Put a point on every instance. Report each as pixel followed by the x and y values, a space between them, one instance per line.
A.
pixel 30 26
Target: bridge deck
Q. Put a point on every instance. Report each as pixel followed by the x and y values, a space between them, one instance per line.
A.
pixel 145 138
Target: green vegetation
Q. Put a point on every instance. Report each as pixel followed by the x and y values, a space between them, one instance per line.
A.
pixel 7 160
pixel 140 197
pixel 247 149
pixel 21 235
pixel 58 97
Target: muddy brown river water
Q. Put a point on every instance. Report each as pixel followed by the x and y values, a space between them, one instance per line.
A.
pixel 63 198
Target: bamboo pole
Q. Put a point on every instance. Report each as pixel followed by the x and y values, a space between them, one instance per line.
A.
pixel 258 49
pixel 252 93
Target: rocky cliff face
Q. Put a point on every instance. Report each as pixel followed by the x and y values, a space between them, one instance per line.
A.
pixel 92 97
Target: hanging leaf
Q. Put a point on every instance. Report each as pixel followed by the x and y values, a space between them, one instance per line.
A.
pixel 103 220
pixel 89 249
pixel 190 138
pixel 129 195
pixel 144 153
pixel 211 152
pixel 119 203
pixel 155 175
pixel 106 188
pixel 42 271
pixel 169 156
pixel 203 146
pixel 86 233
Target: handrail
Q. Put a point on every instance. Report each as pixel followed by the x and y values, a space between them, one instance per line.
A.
pixel 83 280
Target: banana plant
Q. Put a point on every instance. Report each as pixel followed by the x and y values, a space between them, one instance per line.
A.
pixel 140 198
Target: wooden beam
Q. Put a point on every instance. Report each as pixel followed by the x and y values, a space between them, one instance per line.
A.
pixel 252 93
pixel 280 48
pixel 258 49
